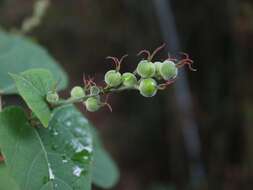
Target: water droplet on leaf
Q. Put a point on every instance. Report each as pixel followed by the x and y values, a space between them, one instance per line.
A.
pixel 51 174
pixel 77 171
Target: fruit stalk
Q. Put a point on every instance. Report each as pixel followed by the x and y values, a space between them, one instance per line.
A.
pixel 104 91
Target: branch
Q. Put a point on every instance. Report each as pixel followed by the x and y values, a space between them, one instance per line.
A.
pixel 103 91
pixel 39 9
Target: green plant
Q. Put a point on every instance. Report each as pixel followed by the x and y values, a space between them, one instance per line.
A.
pixel 168 70
pixel 129 80
pixel 146 69
pixel 148 87
pixel 92 104
pixel 56 146
pixel 53 146
pixel 52 97
pixel 77 92
pixel 113 78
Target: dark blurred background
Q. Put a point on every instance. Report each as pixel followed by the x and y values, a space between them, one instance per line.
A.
pixel 198 134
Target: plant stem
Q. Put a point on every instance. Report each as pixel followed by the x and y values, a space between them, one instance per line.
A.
pixel 82 99
pixel 39 9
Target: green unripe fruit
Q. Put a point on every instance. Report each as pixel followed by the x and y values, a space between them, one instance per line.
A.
pixel 77 92
pixel 148 87
pixel 157 70
pixel 168 70
pixel 94 90
pixel 52 97
pixel 146 69
pixel 92 104
pixel 129 80
pixel 113 78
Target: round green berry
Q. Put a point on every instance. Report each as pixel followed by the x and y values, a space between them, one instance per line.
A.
pixel 168 70
pixel 148 87
pixel 94 90
pixel 92 104
pixel 129 80
pixel 77 92
pixel 52 97
pixel 146 69
pixel 113 78
pixel 157 70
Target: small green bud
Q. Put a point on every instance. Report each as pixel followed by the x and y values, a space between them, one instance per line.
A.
pixel 94 90
pixel 92 104
pixel 113 78
pixel 148 87
pixel 129 80
pixel 146 69
pixel 168 70
pixel 157 70
pixel 52 97
pixel 77 92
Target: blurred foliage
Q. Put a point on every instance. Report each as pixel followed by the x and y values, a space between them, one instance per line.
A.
pixel 158 186
pixel 17 54
pixel 143 135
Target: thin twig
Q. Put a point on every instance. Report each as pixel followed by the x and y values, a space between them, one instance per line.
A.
pixel 39 10
pixel 82 99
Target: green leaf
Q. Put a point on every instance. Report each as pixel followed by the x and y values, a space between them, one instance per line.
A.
pixel 6 181
pixel 33 85
pixel 105 172
pixel 17 54
pixel 69 146
pixel 42 159
pixel 22 149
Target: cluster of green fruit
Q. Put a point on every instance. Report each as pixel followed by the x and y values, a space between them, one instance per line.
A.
pixel 148 72
pixel 145 79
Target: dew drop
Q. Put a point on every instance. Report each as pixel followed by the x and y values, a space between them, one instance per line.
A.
pixel 77 171
pixel 68 123
pixel 78 132
pixel 77 146
pixel 56 133
pixel 88 148
pixel 51 174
